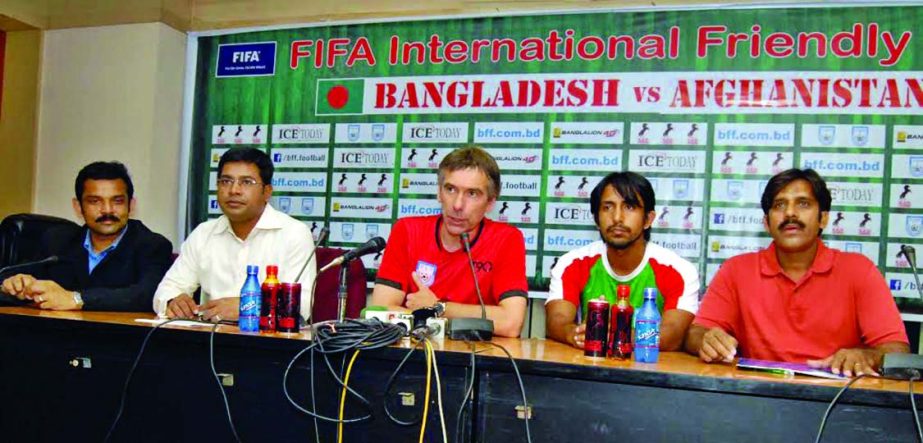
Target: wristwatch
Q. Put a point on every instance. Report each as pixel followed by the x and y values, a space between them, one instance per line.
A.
pixel 78 299
pixel 439 307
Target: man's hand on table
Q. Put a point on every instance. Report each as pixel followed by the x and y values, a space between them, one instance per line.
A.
pixel 717 346
pixel 227 308
pixel 423 298
pixel 578 336
pixel 18 286
pixel 850 362
pixel 182 306
pixel 47 294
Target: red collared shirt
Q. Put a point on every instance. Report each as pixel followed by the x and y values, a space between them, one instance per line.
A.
pixel 841 302
pixel 497 249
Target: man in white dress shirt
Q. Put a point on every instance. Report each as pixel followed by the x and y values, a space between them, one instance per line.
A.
pixel 250 232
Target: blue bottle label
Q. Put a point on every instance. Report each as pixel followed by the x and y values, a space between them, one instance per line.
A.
pixel 647 333
pixel 647 341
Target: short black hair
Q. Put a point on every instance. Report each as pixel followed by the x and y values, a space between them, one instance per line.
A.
pixel 784 178
pixel 103 171
pixel 630 186
pixel 249 155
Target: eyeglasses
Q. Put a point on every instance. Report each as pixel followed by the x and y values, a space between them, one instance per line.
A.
pixel 245 182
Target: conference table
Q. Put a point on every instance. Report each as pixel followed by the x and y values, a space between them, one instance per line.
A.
pixel 62 376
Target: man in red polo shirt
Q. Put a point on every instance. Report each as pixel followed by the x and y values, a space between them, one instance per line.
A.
pixel 798 300
pixel 425 264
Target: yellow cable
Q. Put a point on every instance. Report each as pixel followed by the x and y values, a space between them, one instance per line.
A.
pixel 429 366
pixel 343 396
pixel 445 438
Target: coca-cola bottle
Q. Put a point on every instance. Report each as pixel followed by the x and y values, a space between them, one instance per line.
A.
pixel 620 324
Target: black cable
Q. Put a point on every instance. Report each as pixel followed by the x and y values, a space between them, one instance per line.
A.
pixel 302 409
pixel 134 366
pixel 913 404
pixel 313 403
pixel 522 388
pixel 333 373
pixel 390 382
pixel 352 334
pixel 131 372
pixel 331 338
pixel 224 395
pixel 467 401
pixel 823 421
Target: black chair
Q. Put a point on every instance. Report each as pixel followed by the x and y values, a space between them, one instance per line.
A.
pixel 21 234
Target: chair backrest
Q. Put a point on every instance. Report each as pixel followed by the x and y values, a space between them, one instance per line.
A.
pixel 21 234
pixel 327 291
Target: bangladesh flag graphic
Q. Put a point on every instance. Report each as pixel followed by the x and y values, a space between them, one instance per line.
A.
pixel 335 96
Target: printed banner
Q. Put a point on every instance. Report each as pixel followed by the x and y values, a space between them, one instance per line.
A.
pixel 708 105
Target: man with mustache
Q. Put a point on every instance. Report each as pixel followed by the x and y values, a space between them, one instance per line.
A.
pixel 798 300
pixel 623 209
pixel 425 263
pixel 112 263
pixel 249 232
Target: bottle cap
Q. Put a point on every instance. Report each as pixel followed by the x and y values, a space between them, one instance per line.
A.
pixel 650 293
pixel 272 270
pixel 623 291
pixel 253 269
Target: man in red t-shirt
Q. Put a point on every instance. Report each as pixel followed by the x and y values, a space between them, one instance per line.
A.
pixel 425 264
pixel 798 300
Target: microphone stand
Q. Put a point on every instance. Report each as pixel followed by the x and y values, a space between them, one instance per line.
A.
pixel 341 296
pixel 911 256
pixel 916 278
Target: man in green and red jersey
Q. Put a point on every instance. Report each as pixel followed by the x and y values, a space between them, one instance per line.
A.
pixel 799 301
pixel 623 208
pixel 425 264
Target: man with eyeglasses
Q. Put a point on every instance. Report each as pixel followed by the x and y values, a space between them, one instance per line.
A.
pixel 113 263
pixel 249 232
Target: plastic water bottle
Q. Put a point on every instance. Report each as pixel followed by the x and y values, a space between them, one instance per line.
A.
pixel 647 329
pixel 250 295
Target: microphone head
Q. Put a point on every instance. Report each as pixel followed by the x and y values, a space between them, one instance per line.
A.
pixel 466 242
pixel 322 235
pixel 910 254
pixel 378 242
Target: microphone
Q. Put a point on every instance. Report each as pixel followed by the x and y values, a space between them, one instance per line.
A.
pixel 374 245
pixel 321 237
pixel 472 329
pixel 911 255
pixel 474 275
pixel 45 261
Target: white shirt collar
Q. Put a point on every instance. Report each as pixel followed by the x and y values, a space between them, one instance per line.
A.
pixel 269 219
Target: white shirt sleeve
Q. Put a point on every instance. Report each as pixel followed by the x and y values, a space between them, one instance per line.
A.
pixel 689 301
pixel 182 277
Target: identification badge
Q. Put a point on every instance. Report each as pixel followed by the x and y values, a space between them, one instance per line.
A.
pixel 426 272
